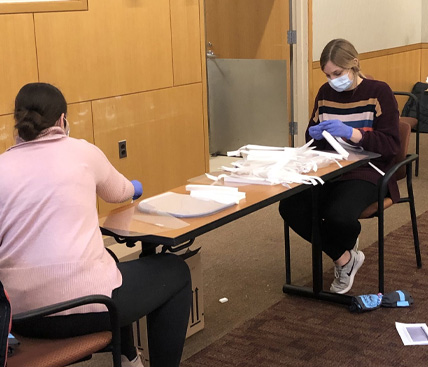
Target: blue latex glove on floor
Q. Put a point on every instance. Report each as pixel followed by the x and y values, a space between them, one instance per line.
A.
pixel 138 189
pixel 337 128
pixel 316 132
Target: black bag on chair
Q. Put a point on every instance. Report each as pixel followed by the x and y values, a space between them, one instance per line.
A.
pixel 5 325
pixel 420 90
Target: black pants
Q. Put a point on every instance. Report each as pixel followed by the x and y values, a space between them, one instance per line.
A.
pixel 340 205
pixel 158 286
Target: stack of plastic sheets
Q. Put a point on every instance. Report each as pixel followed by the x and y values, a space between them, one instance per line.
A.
pixel 267 165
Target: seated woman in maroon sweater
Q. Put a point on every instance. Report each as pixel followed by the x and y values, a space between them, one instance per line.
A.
pixel 364 113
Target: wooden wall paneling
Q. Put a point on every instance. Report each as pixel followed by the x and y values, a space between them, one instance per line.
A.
pixel 112 50
pixel 18 64
pixel 186 47
pixel 403 72
pixel 164 133
pixel 377 67
pixel 221 17
pixel 79 116
pixel 7 138
pixel 273 44
pixel 318 79
pixel 424 65
pixel 248 29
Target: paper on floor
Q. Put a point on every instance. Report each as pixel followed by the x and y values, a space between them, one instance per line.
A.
pixel 413 334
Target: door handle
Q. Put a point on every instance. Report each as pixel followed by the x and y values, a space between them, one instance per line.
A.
pixel 211 54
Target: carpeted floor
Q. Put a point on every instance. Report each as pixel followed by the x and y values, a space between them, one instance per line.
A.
pixel 298 331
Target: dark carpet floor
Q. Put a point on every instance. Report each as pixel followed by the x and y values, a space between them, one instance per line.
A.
pixel 299 331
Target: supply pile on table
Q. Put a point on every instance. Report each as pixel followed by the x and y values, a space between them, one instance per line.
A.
pixel 267 165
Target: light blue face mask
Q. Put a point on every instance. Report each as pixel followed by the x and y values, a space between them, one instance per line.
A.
pixel 341 83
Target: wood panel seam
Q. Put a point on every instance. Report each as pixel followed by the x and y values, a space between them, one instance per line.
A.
pixel 172 46
pixel 35 45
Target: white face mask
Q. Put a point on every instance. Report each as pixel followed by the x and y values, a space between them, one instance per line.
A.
pixel 341 83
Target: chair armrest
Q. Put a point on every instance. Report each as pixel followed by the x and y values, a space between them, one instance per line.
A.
pixel 411 95
pixel 383 181
pixel 66 305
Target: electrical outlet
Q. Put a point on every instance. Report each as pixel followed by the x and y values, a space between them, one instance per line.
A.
pixel 122 149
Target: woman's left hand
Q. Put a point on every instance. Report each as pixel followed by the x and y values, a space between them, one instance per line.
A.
pixel 337 128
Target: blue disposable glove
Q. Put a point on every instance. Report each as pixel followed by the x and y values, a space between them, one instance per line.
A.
pixel 138 189
pixel 337 128
pixel 316 132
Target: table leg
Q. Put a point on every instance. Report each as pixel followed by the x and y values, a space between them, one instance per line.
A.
pixel 317 269
pixel 317 273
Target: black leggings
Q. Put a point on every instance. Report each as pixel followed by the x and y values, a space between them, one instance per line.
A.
pixel 340 206
pixel 158 286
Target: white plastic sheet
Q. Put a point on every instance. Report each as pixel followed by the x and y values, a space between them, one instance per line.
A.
pixel 278 165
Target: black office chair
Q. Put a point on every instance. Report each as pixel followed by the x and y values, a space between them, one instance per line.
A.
pixel 402 169
pixel 34 352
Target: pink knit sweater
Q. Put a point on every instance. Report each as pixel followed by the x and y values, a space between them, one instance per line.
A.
pixel 51 248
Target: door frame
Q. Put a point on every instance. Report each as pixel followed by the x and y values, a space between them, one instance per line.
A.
pixel 301 62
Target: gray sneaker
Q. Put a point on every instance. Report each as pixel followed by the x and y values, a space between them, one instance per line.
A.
pixel 344 275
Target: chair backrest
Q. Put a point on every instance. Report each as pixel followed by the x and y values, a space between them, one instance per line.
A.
pixel 5 324
pixel 405 130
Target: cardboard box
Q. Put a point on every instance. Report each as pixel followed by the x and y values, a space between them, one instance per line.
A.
pixel 196 319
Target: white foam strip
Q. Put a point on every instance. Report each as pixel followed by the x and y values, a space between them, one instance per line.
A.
pixel 335 144
pixel 377 169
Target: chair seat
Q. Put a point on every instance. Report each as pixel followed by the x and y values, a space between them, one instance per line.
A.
pixel 409 120
pixel 57 352
pixel 371 210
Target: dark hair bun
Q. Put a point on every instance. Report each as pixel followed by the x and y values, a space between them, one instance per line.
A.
pixel 38 106
pixel 29 124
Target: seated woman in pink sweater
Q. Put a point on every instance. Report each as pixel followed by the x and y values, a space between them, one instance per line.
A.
pixel 51 248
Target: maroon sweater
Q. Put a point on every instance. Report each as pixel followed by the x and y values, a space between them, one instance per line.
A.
pixel 371 108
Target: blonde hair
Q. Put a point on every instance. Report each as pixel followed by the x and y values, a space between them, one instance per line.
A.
pixel 343 54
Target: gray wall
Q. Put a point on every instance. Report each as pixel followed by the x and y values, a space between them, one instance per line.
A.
pixel 425 21
pixel 370 25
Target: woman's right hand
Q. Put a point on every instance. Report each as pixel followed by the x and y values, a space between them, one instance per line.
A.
pixel 138 189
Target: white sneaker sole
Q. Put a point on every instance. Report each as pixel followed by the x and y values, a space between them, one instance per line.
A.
pixel 352 276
